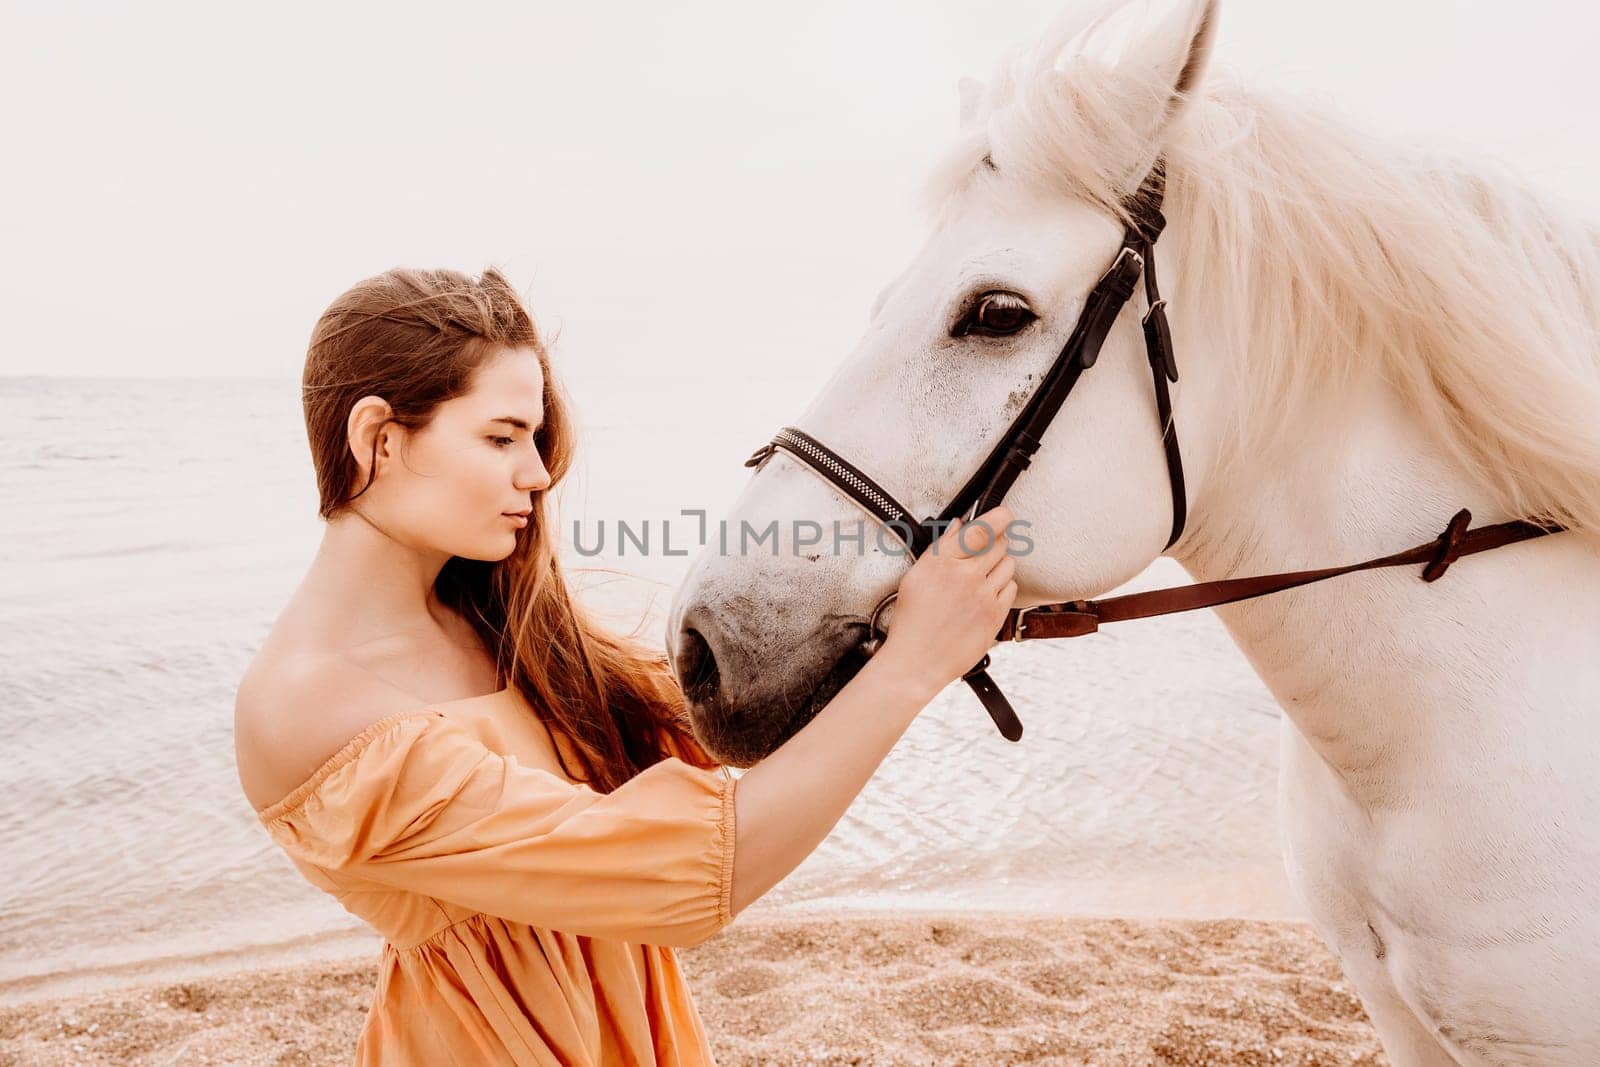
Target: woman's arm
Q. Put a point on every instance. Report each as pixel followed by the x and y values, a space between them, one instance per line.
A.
pixel 950 606
pixel 416 802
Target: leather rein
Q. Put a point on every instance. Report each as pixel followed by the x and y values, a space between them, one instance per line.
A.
pixel 1013 453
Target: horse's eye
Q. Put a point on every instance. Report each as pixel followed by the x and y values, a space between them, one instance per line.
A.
pixel 996 315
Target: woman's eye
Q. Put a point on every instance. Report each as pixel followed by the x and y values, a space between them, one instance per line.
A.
pixel 997 315
pixel 507 441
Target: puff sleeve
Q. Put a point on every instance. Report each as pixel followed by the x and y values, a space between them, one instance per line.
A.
pixel 417 803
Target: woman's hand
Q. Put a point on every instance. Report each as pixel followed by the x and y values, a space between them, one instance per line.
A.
pixel 953 600
pixel 950 607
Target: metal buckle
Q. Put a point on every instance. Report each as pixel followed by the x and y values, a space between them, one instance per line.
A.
pixel 1116 264
pixel 1022 616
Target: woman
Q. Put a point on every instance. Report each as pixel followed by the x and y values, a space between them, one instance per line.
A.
pixel 437 735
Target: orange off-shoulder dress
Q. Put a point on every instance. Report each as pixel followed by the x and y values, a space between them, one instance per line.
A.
pixel 527 919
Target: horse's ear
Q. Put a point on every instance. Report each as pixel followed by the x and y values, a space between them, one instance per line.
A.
pixel 1171 48
pixel 972 93
pixel 1196 29
pixel 1098 91
pixel 1150 57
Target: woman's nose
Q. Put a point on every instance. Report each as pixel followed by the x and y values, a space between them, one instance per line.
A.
pixel 534 477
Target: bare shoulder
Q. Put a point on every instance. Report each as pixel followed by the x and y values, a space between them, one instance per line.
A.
pixel 294 712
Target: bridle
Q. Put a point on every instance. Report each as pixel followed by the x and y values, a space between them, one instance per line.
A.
pixel 1014 451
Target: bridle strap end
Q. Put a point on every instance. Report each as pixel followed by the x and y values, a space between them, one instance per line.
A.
pixel 994 701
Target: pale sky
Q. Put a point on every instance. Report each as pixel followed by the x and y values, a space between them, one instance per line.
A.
pixel 683 188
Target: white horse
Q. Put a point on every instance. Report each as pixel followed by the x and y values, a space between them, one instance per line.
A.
pixel 1370 337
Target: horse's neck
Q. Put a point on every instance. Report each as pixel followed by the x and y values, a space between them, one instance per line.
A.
pixel 1380 671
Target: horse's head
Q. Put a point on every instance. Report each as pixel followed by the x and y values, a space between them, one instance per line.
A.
pixel 765 632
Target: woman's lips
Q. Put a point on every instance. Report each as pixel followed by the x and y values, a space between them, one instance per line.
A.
pixel 520 520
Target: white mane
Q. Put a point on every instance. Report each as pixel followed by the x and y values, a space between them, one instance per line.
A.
pixel 1321 252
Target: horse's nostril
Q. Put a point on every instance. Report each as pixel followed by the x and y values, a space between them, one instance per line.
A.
pixel 697 668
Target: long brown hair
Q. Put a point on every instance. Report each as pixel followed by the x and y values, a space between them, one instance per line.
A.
pixel 416 338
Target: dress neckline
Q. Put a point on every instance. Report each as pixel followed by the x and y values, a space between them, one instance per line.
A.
pixel 467 700
pixel 355 744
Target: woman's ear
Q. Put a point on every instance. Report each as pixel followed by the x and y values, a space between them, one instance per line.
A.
pixel 369 434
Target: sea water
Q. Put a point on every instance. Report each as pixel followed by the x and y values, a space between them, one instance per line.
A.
pixel 151 531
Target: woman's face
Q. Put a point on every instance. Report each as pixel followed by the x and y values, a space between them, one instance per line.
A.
pixel 454 486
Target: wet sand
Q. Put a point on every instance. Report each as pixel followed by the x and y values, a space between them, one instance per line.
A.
pixel 864 989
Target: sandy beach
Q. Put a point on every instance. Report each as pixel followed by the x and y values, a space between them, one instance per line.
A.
pixel 142 887
pixel 860 989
